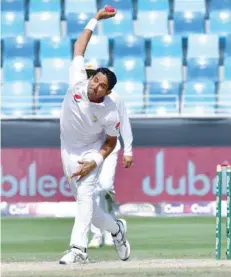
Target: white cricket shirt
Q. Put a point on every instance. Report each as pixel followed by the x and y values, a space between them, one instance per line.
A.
pixel 83 123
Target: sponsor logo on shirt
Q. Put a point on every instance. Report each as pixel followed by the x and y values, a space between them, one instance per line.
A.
pixel 77 97
pixel 94 118
pixel 117 125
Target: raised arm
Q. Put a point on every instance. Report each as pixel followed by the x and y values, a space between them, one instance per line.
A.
pixel 77 71
pixel 82 42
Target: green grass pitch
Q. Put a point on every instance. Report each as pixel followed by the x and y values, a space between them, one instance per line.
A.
pixel 183 238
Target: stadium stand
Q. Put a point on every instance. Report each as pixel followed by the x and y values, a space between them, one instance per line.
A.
pixel 19 47
pixel 220 22
pixel 163 97
pixel 44 24
pixel 50 97
pixel 199 97
pixel 130 69
pixel 18 70
pixel 100 43
pixel 76 22
pixel 12 24
pixel 227 48
pixel 13 5
pixel 224 97
pixel 120 25
pixel 129 46
pixel 80 6
pixel 55 70
pixel 153 5
pixel 36 6
pixel 157 23
pixel 166 46
pixel 172 57
pixel 55 47
pixel 17 98
pixel 118 4
pixel 133 95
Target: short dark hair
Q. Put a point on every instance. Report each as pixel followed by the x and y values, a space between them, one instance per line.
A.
pixel 111 77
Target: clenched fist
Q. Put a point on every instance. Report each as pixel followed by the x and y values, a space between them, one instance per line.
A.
pixel 127 161
pixel 103 14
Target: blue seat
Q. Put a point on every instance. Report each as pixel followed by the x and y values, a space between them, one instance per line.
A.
pixel 120 25
pixel 45 6
pixel 151 24
pixel 12 24
pixel 77 22
pixel 17 98
pixel 190 5
pixel 55 70
pixel 80 6
pixel 44 24
pixel 130 69
pixel 220 22
pixel 199 97
pixel 13 5
pixel 202 68
pixel 186 23
pixel 163 97
pixel 165 69
pixel 227 49
pixel 220 5
pixel 118 4
pixel 162 46
pixel 50 97
pixel 153 5
pixel 227 69
pixel 224 97
pixel 129 46
pixel 18 69
pixel 203 46
pixel 19 47
pixel 55 47
pixel 133 95
pixel 98 48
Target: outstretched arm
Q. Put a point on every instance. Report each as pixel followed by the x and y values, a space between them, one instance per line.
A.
pixel 82 42
pixel 77 70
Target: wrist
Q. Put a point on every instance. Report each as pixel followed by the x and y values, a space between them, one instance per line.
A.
pixel 128 153
pixel 91 25
pixel 98 159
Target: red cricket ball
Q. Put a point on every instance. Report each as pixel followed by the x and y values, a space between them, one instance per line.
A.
pixel 109 9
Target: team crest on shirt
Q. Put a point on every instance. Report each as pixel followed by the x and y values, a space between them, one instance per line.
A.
pixel 117 125
pixel 77 98
pixel 94 118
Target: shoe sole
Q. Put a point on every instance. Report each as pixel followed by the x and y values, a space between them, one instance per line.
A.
pixel 127 242
pixel 77 262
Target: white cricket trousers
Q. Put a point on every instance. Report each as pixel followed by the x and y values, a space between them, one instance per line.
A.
pixel 106 184
pixel 87 210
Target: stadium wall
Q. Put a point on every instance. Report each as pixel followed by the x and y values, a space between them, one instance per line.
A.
pixel 174 169
pixel 147 132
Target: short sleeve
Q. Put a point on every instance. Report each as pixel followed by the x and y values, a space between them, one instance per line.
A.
pixel 112 124
pixel 77 72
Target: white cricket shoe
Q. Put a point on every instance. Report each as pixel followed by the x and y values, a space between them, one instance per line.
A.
pixel 74 255
pixel 108 241
pixel 96 242
pixel 120 241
